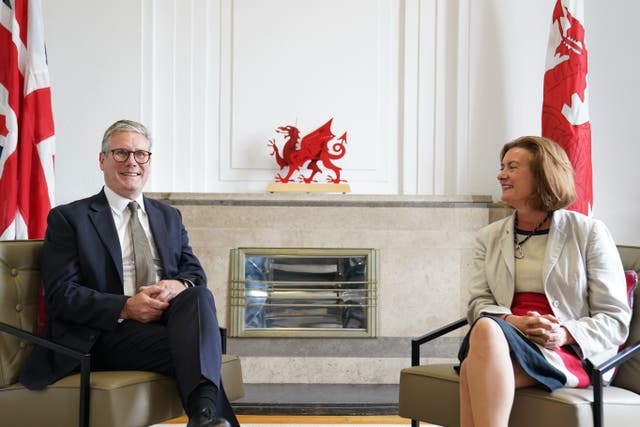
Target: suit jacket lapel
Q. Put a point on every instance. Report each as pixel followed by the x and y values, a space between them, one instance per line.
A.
pixel 159 230
pixel 102 220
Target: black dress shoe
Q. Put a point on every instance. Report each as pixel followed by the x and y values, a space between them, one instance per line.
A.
pixel 221 422
pixel 204 418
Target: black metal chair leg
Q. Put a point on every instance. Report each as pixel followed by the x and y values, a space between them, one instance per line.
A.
pixel 85 390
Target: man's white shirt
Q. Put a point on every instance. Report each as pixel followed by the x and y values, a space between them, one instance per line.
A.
pixel 121 215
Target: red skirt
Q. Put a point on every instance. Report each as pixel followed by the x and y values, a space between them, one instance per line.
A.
pixel 563 358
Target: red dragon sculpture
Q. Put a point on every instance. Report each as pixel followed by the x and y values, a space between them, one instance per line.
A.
pixel 565 114
pixel 312 148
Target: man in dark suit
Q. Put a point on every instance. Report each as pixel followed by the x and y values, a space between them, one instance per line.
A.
pixel 97 301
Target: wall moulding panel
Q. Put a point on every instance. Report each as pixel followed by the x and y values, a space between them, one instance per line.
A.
pixel 220 76
pixel 303 67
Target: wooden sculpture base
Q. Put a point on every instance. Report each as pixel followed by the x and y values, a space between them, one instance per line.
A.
pixel 279 187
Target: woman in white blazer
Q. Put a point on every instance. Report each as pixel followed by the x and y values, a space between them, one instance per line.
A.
pixel 547 291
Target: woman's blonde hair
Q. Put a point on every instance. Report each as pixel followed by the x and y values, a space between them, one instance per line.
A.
pixel 551 168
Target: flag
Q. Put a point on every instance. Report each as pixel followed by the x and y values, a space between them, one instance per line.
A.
pixel 27 140
pixel 565 105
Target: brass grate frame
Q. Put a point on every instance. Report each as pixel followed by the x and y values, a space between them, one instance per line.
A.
pixel 318 306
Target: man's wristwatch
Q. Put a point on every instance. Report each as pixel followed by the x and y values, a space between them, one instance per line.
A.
pixel 187 283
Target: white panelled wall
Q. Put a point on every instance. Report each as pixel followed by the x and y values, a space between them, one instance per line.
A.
pixel 225 74
pixel 427 90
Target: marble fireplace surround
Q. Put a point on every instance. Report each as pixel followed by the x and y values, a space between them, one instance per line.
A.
pixel 425 250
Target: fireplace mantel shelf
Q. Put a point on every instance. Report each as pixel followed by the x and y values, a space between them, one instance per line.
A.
pixel 315 199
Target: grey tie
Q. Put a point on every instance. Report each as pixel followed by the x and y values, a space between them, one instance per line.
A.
pixel 145 270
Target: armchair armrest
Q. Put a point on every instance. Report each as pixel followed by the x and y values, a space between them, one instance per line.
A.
pixel 597 382
pixel 430 336
pixel 4 327
pixel 223 339
pixel 85 365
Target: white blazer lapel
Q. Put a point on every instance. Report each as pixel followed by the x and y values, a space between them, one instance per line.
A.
pixel 557 239
pixel 506 248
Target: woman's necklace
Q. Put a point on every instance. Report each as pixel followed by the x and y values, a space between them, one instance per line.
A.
pixel 519 252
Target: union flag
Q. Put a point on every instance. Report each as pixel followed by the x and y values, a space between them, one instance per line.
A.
pixel 27 139
pixel 565 107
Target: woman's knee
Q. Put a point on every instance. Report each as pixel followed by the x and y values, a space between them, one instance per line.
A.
pixel 487 333
pixel 486 328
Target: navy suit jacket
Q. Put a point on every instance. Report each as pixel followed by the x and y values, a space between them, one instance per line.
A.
pixel 83 279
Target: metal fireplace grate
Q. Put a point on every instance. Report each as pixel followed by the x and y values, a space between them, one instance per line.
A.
pixel 303 292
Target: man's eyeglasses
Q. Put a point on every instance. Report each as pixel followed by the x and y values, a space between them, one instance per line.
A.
pixel 121 155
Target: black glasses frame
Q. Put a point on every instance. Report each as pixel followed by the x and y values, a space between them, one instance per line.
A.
pixel 140 156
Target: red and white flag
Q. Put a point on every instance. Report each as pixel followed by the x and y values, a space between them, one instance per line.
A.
pixel 27 140
pixel 565 107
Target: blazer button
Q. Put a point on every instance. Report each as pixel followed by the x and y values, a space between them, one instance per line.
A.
pixel 14 272
pixel 556 303
pixel 18 307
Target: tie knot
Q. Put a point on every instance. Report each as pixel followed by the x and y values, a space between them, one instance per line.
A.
pixel 133 206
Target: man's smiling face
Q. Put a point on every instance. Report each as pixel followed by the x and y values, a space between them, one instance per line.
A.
pixel 127 178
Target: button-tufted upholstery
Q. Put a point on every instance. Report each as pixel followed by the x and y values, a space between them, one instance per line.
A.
pixel 118 398
pixel 19 287
pixel 430 392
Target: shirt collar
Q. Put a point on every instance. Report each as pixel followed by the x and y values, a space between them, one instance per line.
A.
pixel 118 203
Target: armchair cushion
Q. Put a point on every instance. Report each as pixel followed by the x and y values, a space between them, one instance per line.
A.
pixel 19 270
pixel 632 282
pixel 431 392
pixel 628 375
pixel 42 317
pixel 122 398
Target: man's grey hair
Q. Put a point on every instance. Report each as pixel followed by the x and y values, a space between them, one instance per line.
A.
pixel 124 126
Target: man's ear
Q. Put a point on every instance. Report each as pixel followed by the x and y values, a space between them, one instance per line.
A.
pixel 101 158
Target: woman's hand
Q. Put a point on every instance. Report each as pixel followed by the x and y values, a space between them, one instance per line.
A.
pixel 544 330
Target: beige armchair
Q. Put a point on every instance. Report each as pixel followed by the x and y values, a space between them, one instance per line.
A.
pixel 430 392
pixel 99 399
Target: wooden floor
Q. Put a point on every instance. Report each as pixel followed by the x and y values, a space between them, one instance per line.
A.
pixel 311 419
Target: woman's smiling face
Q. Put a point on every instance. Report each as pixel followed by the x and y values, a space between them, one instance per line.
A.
pixel 516 177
